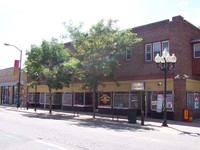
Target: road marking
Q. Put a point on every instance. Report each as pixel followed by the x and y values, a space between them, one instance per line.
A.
pixel 49 144
pixel 11 136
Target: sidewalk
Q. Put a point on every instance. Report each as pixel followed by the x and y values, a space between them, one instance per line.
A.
pixel 180 127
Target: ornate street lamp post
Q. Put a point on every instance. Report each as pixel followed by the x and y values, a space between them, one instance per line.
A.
pixel 165 63
pixel 6 44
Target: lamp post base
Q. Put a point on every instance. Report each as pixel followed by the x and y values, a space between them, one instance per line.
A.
pixel 164 124
pixel 18 106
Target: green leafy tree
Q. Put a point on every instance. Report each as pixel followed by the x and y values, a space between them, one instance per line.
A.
pixel 33 68
pixel 53 69
pixel 97 51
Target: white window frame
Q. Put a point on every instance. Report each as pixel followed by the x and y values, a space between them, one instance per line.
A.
pixel 154 48
pixel 128 54
pixel 163 46
pixel 146 45
pixel 194 50
pixel 67 99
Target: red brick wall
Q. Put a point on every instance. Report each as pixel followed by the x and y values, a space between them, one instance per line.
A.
pixel 7 75
pixel 179 33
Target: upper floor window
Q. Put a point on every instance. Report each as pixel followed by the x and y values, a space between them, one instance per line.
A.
pixel 148 52
pixel 197 50
pixel 165 45
pixel 156 49
pixel 128 54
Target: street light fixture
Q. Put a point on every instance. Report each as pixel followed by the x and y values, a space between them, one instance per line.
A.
pixel 6 44
pixel 165 63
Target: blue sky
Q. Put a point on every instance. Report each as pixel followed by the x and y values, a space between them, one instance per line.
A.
pixel 26 22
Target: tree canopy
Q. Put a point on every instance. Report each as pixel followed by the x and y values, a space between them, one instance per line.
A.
pixel 47 63
pixel 97 51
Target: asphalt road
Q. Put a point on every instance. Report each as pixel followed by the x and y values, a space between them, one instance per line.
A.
pixel 26 130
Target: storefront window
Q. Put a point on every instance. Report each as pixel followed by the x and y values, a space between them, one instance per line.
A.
pixel 57 98
pixel 67 99
pixel 47 97
pixel 30 97
pixel 42 98
pixel 193 100
pixel 121 100
pixel 134 101
pixel 34 97
pixel 157 101
pixel 79 98
pixel 88 98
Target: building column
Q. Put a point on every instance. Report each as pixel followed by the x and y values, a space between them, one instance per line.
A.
pixel 180 98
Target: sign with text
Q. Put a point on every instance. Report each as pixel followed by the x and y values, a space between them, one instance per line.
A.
pixel 137 86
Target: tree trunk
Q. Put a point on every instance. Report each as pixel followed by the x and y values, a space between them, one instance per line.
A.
pixel 50 101
pixel 35 96
pixel 93 102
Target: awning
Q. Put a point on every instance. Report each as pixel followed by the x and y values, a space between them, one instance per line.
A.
pixel 8 83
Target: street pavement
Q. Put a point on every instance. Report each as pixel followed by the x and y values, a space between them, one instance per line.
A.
pixel 180 127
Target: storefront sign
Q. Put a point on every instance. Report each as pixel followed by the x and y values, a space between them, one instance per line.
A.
pixel 105 98
pixel 137 86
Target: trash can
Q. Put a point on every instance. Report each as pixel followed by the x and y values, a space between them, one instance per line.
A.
pixel 187 115
pixel 132 115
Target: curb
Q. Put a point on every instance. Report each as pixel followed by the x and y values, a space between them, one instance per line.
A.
pixel 191 128
pixel 64 115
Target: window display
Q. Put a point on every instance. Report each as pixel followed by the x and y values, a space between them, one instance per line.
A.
pixel 157 101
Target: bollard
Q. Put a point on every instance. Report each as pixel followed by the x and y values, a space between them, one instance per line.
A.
pixel 142 117
pixel 27 105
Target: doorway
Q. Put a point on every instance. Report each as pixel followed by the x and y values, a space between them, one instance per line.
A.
pixel 5 95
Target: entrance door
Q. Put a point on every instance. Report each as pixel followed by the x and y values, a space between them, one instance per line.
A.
pixel 5 94
pixel 145 102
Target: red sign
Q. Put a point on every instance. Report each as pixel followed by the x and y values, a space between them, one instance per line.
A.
pixel 16 68
pixel 196 96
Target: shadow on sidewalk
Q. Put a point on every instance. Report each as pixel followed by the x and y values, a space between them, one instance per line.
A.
pixel 88 122
pixel 186 132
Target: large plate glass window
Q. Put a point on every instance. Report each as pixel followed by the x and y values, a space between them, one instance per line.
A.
pixel 42 98
pixel 121 100
pixel 88 98
pixel 193 100
pixel 57 98
pixel 157 100
pixel 79 99
pixel 67 99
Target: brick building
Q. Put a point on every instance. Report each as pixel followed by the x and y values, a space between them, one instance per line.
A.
pixel 141 82
pixel 9 80
pixel 179 37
